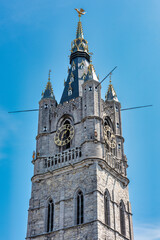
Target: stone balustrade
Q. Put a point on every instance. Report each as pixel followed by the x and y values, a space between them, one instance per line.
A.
pixel 63 159
pixel 115 163
pixel 74 155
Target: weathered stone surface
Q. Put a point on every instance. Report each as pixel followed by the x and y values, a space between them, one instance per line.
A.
pixel 87 166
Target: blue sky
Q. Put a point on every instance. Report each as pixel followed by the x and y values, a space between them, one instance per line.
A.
pixel 35 37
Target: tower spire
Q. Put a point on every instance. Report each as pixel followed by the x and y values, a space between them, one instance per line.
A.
pixel 79 60
pixel 79 44
pixel 48 93
pixel 111 94
pixel 79 33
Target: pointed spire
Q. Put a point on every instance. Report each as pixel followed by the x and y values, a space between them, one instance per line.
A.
pixel 91 74
pixel 111 94
pixel 79 33
pixel 48 93
pixel 79 60
pixel 79 44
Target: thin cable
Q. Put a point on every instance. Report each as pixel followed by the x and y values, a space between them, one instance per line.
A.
pixel 124 109
pixel 107 75
pixel 32 110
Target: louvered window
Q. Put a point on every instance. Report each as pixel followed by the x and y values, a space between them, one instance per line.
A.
pixel 80 208
pixel 107 207
pixel 122 218
pixel 50 216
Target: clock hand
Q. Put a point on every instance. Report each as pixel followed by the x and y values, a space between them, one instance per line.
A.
pixel 64 134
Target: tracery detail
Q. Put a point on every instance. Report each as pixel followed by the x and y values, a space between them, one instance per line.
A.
pixel 80 207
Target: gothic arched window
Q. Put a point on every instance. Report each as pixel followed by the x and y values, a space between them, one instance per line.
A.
pixel 122 218
pixel 107 121
pixel 80 207
pixel 69 92
pixel 107 207
pixel 50 216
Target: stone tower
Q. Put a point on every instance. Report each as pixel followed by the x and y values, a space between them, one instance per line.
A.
pixel 80 184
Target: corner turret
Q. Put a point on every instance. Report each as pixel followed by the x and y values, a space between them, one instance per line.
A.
pixel 111 94
pixel 113 111
pixel 46 103
pixel 91 73
pixel 48 93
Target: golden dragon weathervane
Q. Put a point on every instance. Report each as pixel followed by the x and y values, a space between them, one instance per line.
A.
pixel 80 12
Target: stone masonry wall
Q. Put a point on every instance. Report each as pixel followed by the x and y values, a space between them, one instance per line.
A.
pixel 118 192
pixel 62 188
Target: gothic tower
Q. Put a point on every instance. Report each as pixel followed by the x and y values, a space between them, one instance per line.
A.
pixel 80 184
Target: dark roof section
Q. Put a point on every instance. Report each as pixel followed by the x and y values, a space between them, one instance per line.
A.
pixel 73 83
pixel 79 54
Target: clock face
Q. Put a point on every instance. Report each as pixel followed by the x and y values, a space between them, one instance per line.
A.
pixel 64 135
pixel 109 137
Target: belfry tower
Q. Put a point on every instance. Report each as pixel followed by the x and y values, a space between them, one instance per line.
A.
pixel 80 184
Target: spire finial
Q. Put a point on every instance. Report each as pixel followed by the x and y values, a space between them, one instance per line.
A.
pixel 79 34
pixel 110 78
pixel 80 13
pixel 49 75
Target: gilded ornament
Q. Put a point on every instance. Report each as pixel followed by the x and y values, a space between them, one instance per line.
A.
pixel 33 155
pixel 80 12
pixel 109 137
pixel 64 135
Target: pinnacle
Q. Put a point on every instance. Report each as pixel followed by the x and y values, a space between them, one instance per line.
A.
pixel 111 94
pixel 48 93
pixel 91 75
pixel 79 33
